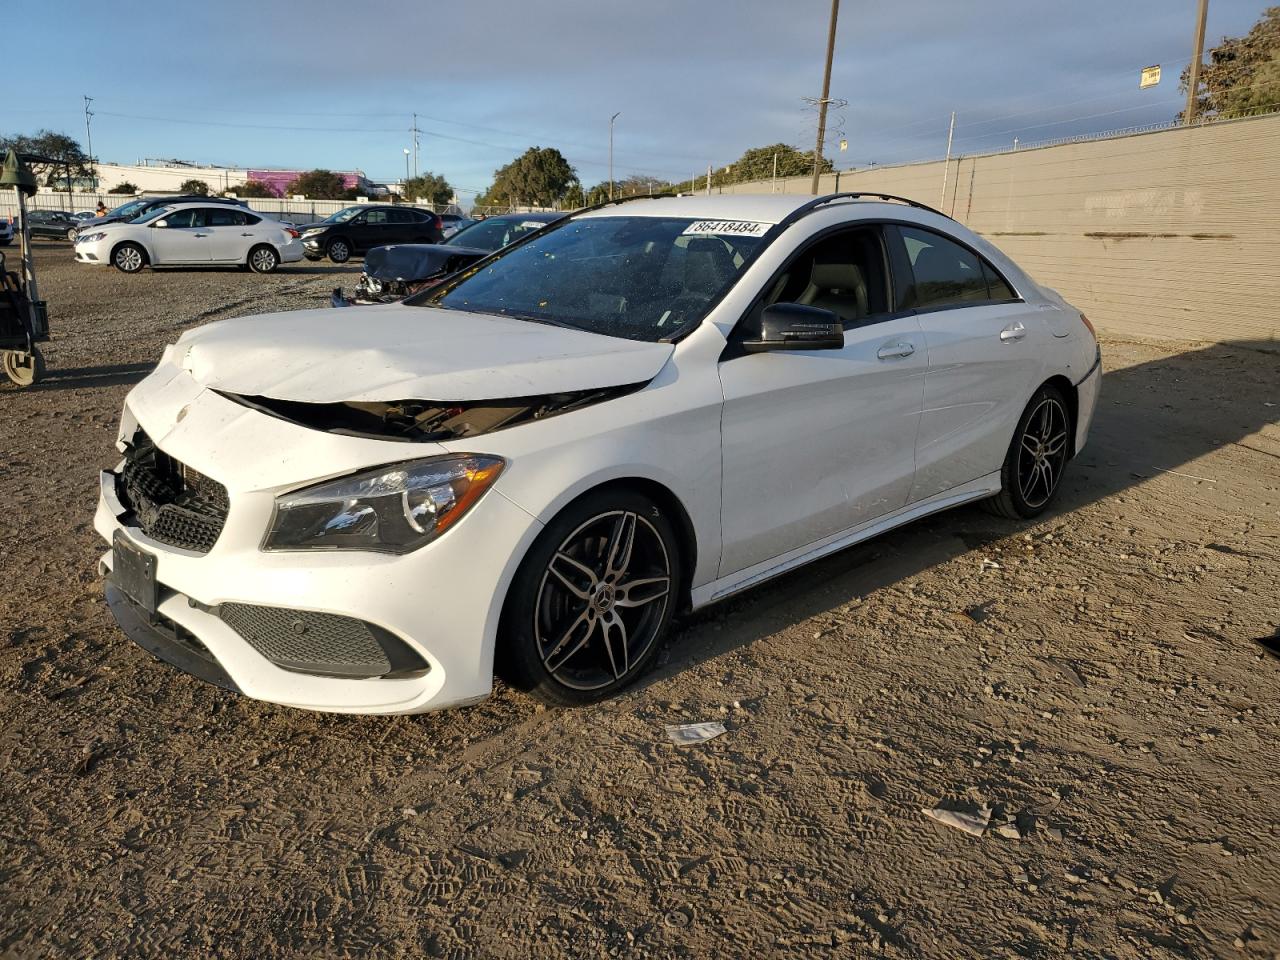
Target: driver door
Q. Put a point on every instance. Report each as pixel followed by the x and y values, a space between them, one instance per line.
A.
pixel 815 443
pixel 181 237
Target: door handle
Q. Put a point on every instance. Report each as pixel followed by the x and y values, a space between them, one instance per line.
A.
pixel 1014 331
pixel 201 234
pixel 246 234
pixel 892 351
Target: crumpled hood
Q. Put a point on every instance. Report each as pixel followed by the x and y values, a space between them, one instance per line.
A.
pixel 388 353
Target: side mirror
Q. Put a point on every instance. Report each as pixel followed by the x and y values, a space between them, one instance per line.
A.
pixel 162 222
pixel 794 326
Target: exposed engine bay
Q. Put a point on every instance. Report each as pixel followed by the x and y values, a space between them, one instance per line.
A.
pixel 427 421
pixel 394 272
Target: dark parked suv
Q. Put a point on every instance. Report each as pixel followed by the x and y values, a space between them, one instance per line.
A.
pixel 356 230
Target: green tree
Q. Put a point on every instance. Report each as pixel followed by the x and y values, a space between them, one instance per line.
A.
pixel 757 164
pixel 197 188
pixel 124 186
pixel 318 185
pixel 251 189
pixel 428 188
pixel 59 151
pixel 539 177
pixel 1242 76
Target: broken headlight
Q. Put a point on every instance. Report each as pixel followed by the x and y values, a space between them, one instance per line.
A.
pixel 393 509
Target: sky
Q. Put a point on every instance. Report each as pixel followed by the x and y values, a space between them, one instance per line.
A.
pixel 333 83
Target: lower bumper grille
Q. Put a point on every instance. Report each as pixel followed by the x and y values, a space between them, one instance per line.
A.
pixel 321 643
pixel 171 502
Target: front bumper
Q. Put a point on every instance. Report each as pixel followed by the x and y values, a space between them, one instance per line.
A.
pixel 442 601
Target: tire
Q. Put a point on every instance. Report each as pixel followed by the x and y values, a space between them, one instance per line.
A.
pixel 263 259
pixel 338 250
pixel 592 601
pixel 128 258
pixel 24 369
pixel 1032 472
pixel 71 235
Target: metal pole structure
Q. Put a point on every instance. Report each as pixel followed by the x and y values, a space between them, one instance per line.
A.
pixel 708 179
pixel 611 119
pixel 1193 81
pixel 826 91
pixel 946 164
pixel 415 144
pixel 406 171
pixel 775 171
pixel 88 140
pixel 24 252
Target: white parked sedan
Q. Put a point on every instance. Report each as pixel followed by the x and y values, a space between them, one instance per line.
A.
pixel 191 234
pixel 642 409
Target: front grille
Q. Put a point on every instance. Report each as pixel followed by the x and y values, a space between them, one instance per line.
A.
pixel 299 640
pixel 169 501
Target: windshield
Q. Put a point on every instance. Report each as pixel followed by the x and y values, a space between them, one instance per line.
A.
pixel 127 210
pixel 342 216
pixel 147 215
pixel 642 278
pixel 494 233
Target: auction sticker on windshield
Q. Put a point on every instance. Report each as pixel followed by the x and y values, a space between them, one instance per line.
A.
pixel 737 228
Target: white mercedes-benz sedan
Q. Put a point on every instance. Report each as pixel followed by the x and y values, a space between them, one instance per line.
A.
pixel 191 234
pixel 528 469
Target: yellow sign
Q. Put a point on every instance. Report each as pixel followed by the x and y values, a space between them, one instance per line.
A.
pixel 1150 77
pixel 844 144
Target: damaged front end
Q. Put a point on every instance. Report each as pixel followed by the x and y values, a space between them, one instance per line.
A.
pixel 394 272
pixel 427 421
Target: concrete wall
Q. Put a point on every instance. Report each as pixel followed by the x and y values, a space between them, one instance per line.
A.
pixel 1173 234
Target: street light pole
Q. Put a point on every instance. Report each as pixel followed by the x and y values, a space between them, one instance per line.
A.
pixel 826 92
pixel 1193 81
pixel 611 119
pixel 406 174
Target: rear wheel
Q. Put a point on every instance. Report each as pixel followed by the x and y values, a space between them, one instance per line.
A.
pixel 592 601
pixel 339 250
pixel 24 369
pixel 71 234
pixel 263 259
pixel 1032 470
pixel 128 258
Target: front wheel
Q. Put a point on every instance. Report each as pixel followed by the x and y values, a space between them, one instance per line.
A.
pixel 129 258
pixel 339 251
pixel 263 260
pixel 1032 470
pixel 592 601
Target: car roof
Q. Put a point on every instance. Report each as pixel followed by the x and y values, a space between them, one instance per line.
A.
pixel 769 208
pixel 541 216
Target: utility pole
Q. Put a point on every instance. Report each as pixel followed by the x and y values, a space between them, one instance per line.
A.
pixel 708 179
pixel 611 119
pixel 826 92
pixel 413 131
pixel 1193 81
pixel 88 139
pixel 946 164
pixel 775 171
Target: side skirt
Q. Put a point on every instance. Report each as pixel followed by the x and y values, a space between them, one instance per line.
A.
pixel 717 590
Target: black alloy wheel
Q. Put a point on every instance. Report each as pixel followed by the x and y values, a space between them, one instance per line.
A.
pixel 592 600
pixel 1032 471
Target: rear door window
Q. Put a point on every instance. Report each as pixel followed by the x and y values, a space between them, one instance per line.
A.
pixel 947 274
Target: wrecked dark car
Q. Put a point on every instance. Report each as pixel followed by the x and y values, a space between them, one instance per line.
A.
pixel 394 272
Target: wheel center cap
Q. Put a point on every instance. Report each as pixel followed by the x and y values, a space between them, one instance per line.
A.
pixel 604 598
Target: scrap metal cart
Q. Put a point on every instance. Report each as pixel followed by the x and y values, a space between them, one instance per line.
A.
pixel 24 318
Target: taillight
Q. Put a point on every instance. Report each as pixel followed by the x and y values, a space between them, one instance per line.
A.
pixel 1086 322
pixel 292 232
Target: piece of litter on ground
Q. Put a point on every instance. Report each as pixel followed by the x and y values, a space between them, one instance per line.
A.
pixel 974 824
pixel 1009 831
pixel 989 564
pixel 683 734
pixel 1189 476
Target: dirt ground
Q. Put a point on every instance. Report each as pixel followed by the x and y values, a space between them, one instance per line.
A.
pixel 1092 678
